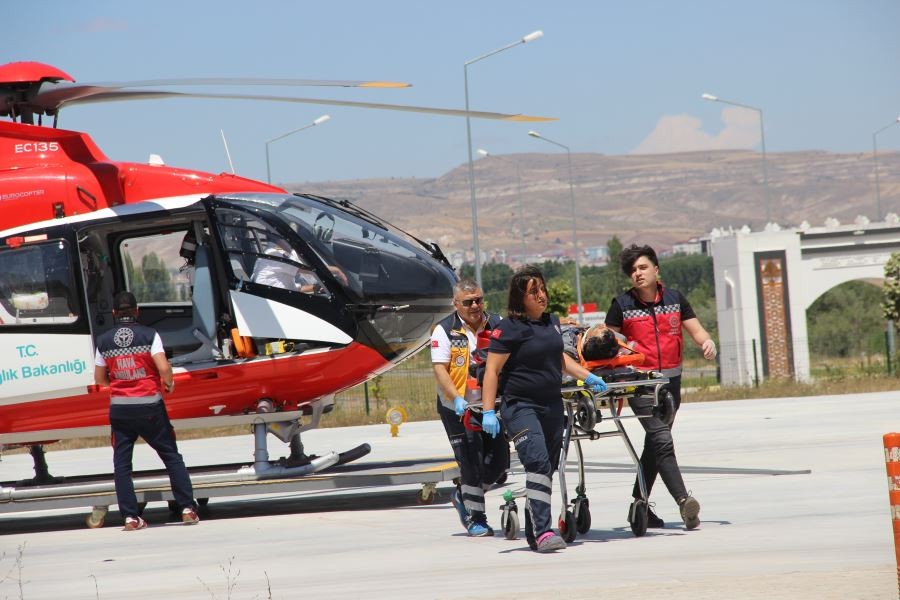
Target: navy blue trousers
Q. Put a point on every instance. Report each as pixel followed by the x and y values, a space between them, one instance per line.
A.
pixel 150 422
pixel 536 431
pixel 481 459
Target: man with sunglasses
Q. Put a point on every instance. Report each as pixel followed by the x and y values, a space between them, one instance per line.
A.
pixel 455 357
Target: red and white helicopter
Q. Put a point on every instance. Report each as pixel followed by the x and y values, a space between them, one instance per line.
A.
pixel 76 227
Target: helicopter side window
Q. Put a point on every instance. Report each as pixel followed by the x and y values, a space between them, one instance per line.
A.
pixel 152 268
pixel 256 249
pixel 36 285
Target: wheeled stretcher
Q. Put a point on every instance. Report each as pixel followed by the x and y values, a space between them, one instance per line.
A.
pixel 591 416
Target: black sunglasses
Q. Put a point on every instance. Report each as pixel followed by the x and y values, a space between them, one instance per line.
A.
pixel 470 301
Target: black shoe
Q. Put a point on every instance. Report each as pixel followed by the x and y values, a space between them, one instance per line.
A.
pixel 653 521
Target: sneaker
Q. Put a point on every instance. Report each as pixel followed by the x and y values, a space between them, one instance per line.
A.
pixel 189 516
pixel 479 530
pixel 457 502
pixel 134 523
pixel 690 512
pixel 549 541
pixel 652 520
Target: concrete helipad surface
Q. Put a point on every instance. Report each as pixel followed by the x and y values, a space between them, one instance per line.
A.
pixel 793 493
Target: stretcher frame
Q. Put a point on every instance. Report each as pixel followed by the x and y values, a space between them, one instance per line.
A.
pixel 581 425
pixel 586 410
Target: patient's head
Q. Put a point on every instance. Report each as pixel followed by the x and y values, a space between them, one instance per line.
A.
pixel 599 344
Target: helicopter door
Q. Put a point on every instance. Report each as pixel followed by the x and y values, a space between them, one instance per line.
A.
pixel 276 290
pixel 176 298
pixel 45 338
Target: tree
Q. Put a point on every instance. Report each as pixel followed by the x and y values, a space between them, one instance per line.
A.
pixel 687 272
pixel 616 281
pixel 559 296
pixel 134 278
pixel 157 279
pixel 494 281
pixel 843 322
pixel 890 305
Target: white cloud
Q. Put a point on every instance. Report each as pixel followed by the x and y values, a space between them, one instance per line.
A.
pixel 683 133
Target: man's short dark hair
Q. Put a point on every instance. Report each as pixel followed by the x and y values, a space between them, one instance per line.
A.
pixel 600 347
pixel 632 253
pixel 124 301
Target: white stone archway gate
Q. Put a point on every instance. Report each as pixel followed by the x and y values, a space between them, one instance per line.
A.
pixel 765 281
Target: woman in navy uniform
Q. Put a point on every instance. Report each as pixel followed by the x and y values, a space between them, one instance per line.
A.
pixel 525 365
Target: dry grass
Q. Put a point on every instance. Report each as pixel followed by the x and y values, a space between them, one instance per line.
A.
pixel 785 388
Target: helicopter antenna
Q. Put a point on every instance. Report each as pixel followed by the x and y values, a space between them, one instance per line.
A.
pixel 227 153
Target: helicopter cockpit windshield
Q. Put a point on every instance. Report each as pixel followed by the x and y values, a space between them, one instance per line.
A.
pixel 370 262
pixel 338 260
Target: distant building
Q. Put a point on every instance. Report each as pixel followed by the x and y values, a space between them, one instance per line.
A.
pixel 699 245
pixel 597 255
pixel 500 256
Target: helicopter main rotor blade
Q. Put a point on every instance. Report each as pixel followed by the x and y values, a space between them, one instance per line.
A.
pixel 249 81
pixel 113 96
pixel 53 95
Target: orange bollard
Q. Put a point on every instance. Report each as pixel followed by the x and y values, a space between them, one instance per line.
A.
pixel 892 463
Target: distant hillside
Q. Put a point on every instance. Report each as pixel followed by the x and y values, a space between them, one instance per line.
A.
pixel 660 199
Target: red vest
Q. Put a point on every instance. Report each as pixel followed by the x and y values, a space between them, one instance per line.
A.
pixel 655 329
pixel 132 372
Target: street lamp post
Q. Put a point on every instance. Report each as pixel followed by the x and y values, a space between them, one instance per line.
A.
pixel 485 153
pixel 762 133
pixel 524 40
pixel 535 134
pixel 318 121
pixel 875 159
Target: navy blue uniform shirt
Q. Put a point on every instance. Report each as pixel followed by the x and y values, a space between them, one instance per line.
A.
pixel 533 372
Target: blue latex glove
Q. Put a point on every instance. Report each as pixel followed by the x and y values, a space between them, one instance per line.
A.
pixel 595 383
pixel 489 423
pixel 459 405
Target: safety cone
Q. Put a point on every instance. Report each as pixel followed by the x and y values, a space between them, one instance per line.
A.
pixel 892 463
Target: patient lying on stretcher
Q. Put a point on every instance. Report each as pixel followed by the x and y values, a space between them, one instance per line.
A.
pixel 602 350
pixel 595 343
pixel 602 343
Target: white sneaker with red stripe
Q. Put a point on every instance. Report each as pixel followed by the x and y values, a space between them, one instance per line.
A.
pixel 189 516
pixel 134 523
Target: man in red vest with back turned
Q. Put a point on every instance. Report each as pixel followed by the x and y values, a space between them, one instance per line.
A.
pixel 131 360
pixel 652 317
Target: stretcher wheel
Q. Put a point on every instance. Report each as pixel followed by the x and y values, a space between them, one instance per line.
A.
pixel 568 529
pixel 510 525
pixel 583 520
pixel 202 502
pixel 97 518
pixel 427 494
pixel 639 517
pixel 585 413
pixel 665 408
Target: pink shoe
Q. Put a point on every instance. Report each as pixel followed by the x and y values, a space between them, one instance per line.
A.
pixel 549 541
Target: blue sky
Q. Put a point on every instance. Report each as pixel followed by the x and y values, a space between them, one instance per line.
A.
pixel 622 77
